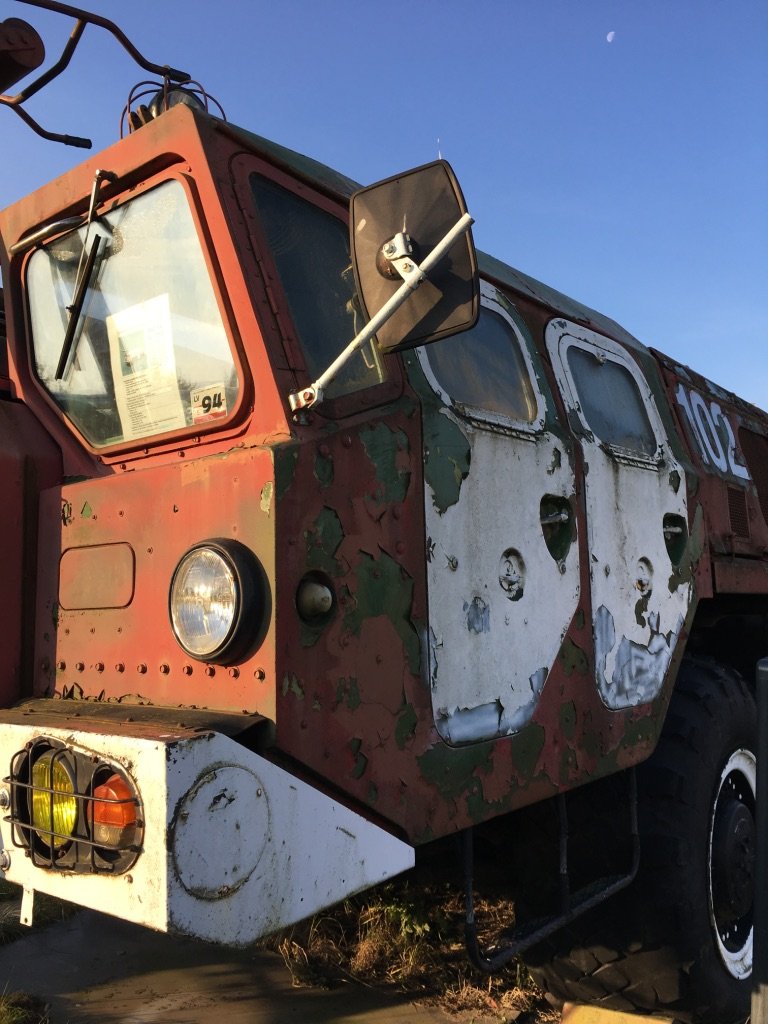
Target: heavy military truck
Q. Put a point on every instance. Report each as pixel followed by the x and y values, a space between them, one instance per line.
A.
pixel 328 539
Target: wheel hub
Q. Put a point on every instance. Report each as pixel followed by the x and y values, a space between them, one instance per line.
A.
pixel 733 860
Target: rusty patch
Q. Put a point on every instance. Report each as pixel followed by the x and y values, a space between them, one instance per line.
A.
pixel 323 540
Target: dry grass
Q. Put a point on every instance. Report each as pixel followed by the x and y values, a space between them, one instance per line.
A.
pixel 408 936
pixel 20 1008
pixel 405 935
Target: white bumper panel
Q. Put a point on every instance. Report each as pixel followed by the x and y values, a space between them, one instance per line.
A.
pixel 234 847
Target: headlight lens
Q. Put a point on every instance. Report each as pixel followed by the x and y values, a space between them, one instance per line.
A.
pixel 204 602
pixel 215 586
pixel 54 804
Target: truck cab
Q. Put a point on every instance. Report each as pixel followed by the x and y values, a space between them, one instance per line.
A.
pixel 258 651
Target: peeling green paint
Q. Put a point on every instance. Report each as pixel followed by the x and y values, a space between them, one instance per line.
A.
pixel 573 658
pixel 361 761
pixel 568 719
pixel 292 685
pixel 384 588
pixel 643 730
pixel 568 765
pixel 406 725
pixel 685 572
pixel 480 809
pixel 590 740
pixel 286 460
pixel 348 692
pixel 447 457
pixel 373 793
pixel 447 451
pixel 309 634
pixel 526 749
pixel 425 836
pixel 451 769
pixel 382 445
pixel 86 511
pixel 324 469
pixel 323 540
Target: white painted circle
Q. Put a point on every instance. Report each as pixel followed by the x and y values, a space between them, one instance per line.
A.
pixel 219 831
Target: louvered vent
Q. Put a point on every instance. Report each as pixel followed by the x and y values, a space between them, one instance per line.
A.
pixel 737 508
pixel 755 448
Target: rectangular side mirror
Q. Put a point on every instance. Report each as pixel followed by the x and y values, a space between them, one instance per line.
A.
pixel 401 220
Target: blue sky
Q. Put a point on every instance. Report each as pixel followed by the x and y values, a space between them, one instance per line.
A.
pixel 630 174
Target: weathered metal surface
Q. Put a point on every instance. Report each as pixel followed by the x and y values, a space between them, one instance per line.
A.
pixel 109 637
pixel 227 855
pixel 29 461
pixel 469 664
pixel 640 593
pixel 489 568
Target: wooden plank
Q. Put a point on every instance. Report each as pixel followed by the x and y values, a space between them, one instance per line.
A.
pixel 573 1014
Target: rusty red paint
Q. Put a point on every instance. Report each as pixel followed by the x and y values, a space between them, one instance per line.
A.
pixel 350 697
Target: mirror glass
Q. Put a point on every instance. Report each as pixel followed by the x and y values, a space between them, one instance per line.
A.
pixel 425 203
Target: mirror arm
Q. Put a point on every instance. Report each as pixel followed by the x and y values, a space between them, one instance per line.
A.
pixel 413 274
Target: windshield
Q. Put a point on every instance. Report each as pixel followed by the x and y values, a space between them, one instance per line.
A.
pixel 149 352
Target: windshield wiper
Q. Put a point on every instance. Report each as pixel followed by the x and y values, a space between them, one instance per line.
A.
pixel 84 275
pixel 78 300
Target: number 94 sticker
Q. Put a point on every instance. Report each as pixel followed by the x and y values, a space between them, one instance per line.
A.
pixel 208 403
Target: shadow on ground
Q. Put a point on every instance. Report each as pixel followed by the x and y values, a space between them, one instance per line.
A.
pixel 93 969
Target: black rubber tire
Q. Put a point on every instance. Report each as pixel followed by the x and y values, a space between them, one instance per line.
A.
pixel 656 948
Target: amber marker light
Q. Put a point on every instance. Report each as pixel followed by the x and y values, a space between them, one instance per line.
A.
pixel 113 813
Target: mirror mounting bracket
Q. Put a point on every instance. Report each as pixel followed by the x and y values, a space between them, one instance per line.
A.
pixel 398 251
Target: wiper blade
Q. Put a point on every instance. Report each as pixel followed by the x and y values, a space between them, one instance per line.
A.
pixel 76 309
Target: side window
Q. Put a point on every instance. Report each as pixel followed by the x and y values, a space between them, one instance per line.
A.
pixel 310 249
pixel 485 373
pixel 610 401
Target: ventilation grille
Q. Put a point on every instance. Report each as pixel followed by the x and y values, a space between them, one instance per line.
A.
pixel 755 448
pixel 737 508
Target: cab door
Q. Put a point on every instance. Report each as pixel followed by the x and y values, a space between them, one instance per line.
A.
pixel 636 507
pixel 503 565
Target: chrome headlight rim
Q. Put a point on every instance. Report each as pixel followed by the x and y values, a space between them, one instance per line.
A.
pixel 248 600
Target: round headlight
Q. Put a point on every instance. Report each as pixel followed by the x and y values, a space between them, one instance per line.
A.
pixel 214 600
pixel 54 804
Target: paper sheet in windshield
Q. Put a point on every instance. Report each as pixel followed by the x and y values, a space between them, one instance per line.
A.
pixel 141 351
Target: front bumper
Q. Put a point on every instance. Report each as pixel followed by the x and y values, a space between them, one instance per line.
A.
pixel 234 847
